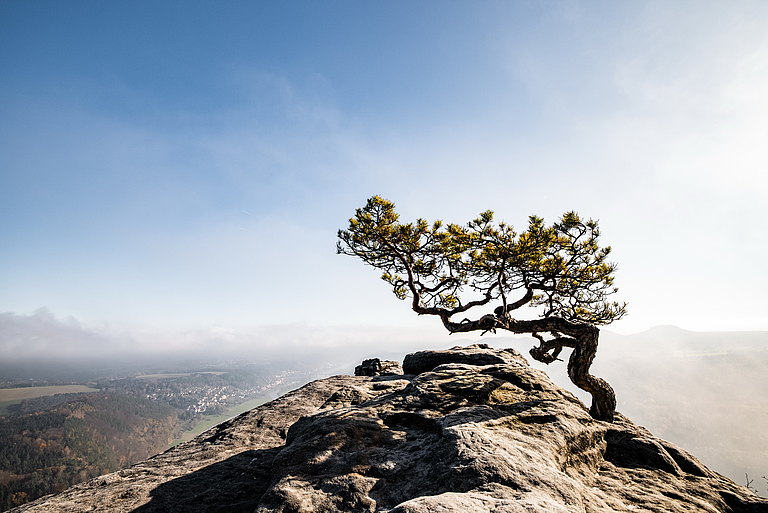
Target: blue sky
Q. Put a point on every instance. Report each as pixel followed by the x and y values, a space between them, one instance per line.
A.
pixel 185 165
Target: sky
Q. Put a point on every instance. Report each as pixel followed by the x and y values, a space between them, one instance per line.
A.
pixel 183 167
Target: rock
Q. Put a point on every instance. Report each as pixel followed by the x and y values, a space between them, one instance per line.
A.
pixel 376 367
pixel 479 431
pixel 477 354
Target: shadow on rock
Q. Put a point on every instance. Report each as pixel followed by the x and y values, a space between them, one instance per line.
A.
pixel 234 485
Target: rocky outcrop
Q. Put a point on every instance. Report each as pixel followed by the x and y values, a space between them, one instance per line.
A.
pixel 376 367
pixel 478 354
pixel 470 434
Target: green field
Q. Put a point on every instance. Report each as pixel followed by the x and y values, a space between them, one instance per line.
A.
pixel 10 396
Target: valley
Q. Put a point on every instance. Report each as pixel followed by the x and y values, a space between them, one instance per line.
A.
pixel 56 435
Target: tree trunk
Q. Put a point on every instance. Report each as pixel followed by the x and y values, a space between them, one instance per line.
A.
pixel 603 397
pixel 582 338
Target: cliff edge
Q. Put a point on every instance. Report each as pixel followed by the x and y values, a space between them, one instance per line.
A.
pixel 470 429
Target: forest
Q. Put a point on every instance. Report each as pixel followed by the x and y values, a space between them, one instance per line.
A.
pixel 48 450
pixel 53 442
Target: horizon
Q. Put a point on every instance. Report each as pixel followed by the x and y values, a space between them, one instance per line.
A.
pixel 178 171
pixel 43 336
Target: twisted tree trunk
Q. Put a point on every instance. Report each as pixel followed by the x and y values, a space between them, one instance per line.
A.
pixel 582 338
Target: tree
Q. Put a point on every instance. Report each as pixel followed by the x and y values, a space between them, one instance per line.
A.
pixel 454 271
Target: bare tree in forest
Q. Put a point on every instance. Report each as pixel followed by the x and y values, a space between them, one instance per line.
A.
pixel 454 271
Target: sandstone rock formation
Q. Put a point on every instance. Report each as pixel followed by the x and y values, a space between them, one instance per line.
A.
pixel 479 431
pixel 376 367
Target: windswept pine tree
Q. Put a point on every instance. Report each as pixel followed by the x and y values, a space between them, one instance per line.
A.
pixel 475 277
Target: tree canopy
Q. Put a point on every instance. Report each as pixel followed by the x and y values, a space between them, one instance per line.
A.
pixel 450 270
